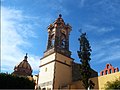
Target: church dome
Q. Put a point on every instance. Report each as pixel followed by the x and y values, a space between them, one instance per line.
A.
pixel 23 68
pixel 24 64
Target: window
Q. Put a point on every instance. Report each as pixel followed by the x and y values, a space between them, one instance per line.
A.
pixel 106 72
pixel 63 40
pixel 114 70
pixel 102 73
pixel 43 88
pixel 107 66
pixel 63 43
pixel 45 69
pixel 53 41
pixel 39 88
pixel 110 71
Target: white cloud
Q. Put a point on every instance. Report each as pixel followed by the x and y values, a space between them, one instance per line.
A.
pixel 107 50
pixel 98 55
pixel 111 41
pixel 15 31
pixel 111 57
pixel 97 29
pixel 34 62
pixel 105 29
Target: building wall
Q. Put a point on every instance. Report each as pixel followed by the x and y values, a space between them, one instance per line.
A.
pixel 76 75
pixel 63 71
pixel 109 77
pixel 35 78
pixel 47 59
pixel 46 73
pixel 98 81
pixel 55 71
pixel 64 59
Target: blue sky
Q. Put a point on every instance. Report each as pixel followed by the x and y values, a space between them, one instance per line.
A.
pixel 24 29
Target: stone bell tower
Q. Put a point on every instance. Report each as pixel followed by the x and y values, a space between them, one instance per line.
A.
pixel 58 37
pixel 56 64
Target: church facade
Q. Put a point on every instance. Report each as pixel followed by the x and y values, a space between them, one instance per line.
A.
pixel 57 68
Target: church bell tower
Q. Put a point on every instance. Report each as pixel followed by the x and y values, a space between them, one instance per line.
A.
pixel 56 64
pixel 58 37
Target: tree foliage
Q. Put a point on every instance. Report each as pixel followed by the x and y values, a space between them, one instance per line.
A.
pixel 8 81
pixel 113 84
pixel 84 55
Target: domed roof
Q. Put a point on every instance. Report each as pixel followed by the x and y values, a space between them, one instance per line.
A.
pixel 24 64
pixel 23 68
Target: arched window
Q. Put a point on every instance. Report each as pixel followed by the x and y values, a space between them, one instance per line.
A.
pixel 52 40
pixel 110 71
pixel 106 72
pixel 102 72
pixel 107 66
pixel 63 43
pixel 63 40
pixel 114 70
pixel 43 88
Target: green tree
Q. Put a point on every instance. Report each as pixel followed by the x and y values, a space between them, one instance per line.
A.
pixel 84 55
pixel 113 84
pixel 8 81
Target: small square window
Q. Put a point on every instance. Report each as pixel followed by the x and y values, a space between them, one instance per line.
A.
pixel 45 69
